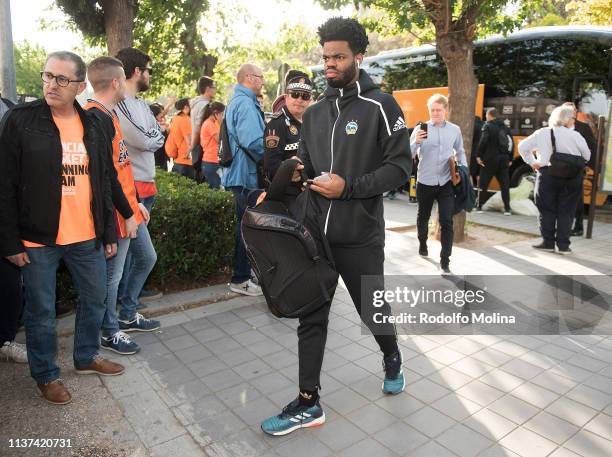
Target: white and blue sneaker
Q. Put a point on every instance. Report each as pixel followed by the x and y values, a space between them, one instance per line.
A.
pixel 394 382
pixel 139 324
pixel 119 343
pixel 293 417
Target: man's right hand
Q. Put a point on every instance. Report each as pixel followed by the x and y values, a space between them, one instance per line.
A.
pixel 131 227
pixel 421 136
pixel 20 259
pixel 479 161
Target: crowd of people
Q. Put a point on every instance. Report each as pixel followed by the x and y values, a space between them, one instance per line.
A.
pixel 78 184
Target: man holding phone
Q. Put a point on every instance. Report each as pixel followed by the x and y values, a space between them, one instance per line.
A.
pixel 354 146
pixel 436 143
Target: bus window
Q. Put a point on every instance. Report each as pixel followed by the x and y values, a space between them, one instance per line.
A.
pixel 591 98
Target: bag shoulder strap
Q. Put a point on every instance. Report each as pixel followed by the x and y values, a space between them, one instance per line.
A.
pixel 282 180
pixel 552 139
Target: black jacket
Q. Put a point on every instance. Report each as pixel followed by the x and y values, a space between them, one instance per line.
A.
pixel 359 133
pixel 585 130
pixel 489 146
pixel 281 140
pixel 31 177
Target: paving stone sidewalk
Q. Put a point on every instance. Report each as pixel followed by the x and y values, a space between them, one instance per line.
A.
pixel 201 386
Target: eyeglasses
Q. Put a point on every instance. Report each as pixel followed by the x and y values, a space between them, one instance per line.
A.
pixel 61 80
pixel 257 76
pixel 304 95
pixel 149 69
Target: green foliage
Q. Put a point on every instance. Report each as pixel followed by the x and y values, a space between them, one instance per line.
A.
pixel 29 61
pixel 193 230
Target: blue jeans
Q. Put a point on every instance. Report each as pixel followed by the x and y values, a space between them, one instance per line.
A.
pixel 184 170
pixel 114 272
pixel 87 267
pixel 209 171
pixel 143 260
pixel 242 266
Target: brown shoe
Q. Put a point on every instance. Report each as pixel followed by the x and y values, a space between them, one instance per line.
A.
pixel 103 367
pixel 55 392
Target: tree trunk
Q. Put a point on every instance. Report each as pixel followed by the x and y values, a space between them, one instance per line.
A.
pixel 119 24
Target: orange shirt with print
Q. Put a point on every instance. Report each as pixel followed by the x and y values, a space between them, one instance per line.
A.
pixel 209 139
pixel 125 175
pixel 76 221
pixel 181 127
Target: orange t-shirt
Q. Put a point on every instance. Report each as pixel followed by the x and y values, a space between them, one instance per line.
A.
pixel 123 165
pixel 181 127
pixel 208 139
pixel 76 222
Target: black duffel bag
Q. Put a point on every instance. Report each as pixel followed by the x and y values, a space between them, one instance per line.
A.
pixel 564 165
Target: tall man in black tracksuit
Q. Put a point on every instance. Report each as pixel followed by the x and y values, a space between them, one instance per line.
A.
pixel 494 158
pixel 356 143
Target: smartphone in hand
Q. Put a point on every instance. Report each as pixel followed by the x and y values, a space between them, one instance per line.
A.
pixel 423 127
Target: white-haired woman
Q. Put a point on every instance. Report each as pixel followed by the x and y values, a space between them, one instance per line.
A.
pixel 558 186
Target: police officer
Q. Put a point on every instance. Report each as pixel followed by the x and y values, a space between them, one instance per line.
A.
pixel 282 134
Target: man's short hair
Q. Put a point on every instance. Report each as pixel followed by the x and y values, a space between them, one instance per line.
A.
pixel 492 112
pixel 101 72
pixel 438 98
pixel 181 103
pixel 344 29
pixel 132 58
pixel 204 83
pixel 80 67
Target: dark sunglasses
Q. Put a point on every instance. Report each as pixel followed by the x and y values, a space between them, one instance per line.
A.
pixel 297 95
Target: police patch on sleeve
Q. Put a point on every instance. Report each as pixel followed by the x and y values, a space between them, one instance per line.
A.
pixel 272 140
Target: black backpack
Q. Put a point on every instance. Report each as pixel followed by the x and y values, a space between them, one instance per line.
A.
pixel 288 250
pixel 226 157
pixel 506 145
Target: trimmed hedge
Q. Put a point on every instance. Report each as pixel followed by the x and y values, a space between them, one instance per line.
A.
pixel 192 228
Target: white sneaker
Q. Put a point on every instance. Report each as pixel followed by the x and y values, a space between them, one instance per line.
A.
pixel 15 352
pixel 246 288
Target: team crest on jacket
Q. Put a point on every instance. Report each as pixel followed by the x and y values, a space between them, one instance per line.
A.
pixel 351 128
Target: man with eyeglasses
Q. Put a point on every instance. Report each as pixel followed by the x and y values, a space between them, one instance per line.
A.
pixel 245 128
pixel 282 134
pixel 55 204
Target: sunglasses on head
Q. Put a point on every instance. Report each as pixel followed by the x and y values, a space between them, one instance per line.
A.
pixel 297 95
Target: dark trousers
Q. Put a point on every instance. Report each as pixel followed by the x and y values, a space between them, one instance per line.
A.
pixel 556 200
pixel 242 266
pixel 501 172
pixel 11 303
pixel 445 196
pixel 184 170
pixel 578 222
pixel 351 263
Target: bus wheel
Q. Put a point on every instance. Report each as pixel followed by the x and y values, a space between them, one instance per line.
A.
pixel 522 172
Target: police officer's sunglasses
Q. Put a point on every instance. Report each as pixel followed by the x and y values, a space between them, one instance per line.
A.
pixel 305 96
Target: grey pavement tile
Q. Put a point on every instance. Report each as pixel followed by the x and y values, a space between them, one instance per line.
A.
pixel 181 342
pixel 271 382
pixel 450 378
pixel 222 345
pixel 181 392
pixel 183 445
pixel 193 354
pixel 132 381
pixel 249 337
pixel 166 379
pixel 489 424
pixel 174 319
pixel 238 395
pixel 479 392
pixel 467 346
pixel 303 446
pixel 588 444
pixel 256 411
pixel 253 369
pixel 464 441
pixel 522 369
pixel 562 452
pixel 150 350
pixel 145 338
pixel 207 406
pixel 557 352
pixel 171 332
pixel 344 400
pixel 329 384
pixel 445 355
pixel 602 353
pixel 225 317
pixel 261 320
pixel 571 371
pixel 371 418
pixel 601 383
pixel 527 443
pixel 157 363
pixel 236 356
pixel 339 324
pixel 432 449
pixel 277 329
pixel 472 367
pixel 589 396
pixel 197 324
pixel 427 391
pixel 221 380
pixel 601 425
pixel 534 394
pixel 370 387
pixel 236 327
pixel 207 366
pixel 538 359
pixel 339 434
pixel 151 419
pixel 331 360
pixel 492 357
pixel 423 365
pixel 208 334
pixel 245 443
pixel 264 348
pixel 513 408
pixel 291 372
pixel 586 362
pixel 283 359
pixel 456 406
pixel 551 427
pixel 512 348
pixel 352 352
pixel 429 421
pixel 349 374
pixel 501 380
pixel 213 428
pixel 335 340
pixel 576 413
pixel 355 333
pixel 372 363
pixel 401 438
pixel 367 448
pixel 552 381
